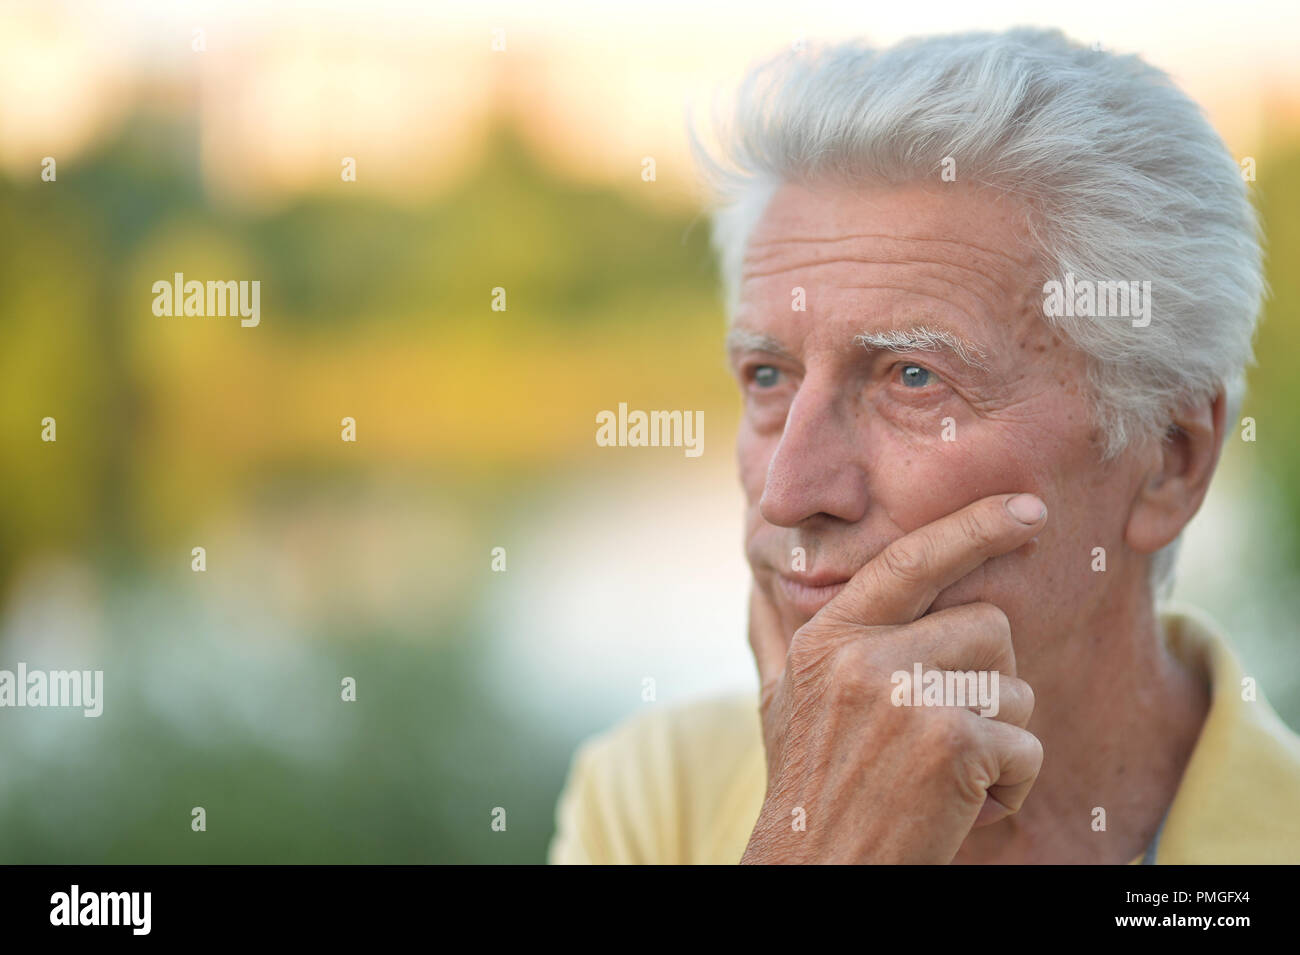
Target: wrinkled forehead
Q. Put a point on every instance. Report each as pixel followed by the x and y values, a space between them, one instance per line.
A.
pixel 947 257
pixel 978 229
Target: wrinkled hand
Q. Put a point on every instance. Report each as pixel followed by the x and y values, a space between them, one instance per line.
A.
pixel 880 783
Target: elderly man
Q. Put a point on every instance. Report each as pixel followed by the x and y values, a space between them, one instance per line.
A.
pixel 991 298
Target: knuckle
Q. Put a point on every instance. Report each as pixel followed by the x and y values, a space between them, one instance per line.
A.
pixel 851 675
pixel 976 530
pixel 1035 746
pixel 907 560
pixel 977 772
pixel 848 690
pixel 996 619
pixel 948 734
pixel 1024 692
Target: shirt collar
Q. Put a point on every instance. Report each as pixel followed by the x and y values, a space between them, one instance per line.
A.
pixel 1239 798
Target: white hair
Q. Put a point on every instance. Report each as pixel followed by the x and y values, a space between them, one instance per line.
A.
pixel 1124 177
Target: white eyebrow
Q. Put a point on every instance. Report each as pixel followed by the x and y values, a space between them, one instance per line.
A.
pixel 922 338
pixel 743 339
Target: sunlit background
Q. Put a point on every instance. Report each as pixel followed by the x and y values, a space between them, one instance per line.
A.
pixel 476 168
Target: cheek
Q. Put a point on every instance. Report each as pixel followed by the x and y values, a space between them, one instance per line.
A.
pixel 918 484
pixel 922 484
pixel 753 455
pixel 915 486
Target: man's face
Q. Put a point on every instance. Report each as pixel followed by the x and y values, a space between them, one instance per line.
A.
pixel 844 447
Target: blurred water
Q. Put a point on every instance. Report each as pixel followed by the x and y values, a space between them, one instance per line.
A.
pixel 626 577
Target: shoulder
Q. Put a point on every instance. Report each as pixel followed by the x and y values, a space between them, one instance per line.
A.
pixel 670 785
pixel 1238 799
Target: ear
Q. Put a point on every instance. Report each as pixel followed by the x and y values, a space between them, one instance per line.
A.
pixel 1179 475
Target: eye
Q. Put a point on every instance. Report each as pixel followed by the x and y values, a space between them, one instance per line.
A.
pixel 766 376
pixel 915 376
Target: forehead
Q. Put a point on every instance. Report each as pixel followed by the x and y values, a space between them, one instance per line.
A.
pixel 886 255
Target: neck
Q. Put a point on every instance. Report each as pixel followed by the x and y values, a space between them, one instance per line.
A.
pixel 1119 717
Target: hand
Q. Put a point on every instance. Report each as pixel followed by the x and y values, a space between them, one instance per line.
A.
pixel 880 783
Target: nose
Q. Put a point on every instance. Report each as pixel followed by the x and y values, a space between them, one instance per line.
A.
pixel 818 468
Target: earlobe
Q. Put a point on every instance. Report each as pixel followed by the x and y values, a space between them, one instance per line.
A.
pixel 1173 488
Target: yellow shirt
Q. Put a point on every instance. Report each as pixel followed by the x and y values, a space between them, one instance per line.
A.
pixel 684 784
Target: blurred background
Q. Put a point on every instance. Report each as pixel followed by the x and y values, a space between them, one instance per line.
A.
pixel 208 139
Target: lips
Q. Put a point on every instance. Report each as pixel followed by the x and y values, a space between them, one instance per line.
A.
pixel 809 593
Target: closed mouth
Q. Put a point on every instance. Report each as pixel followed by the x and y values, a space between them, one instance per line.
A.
pixel 810 594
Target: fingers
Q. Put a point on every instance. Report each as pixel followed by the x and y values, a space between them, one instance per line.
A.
pixel 1020 756
pixel 900 583
pixel 974 636
pixel 1013 702
pixel 766 639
